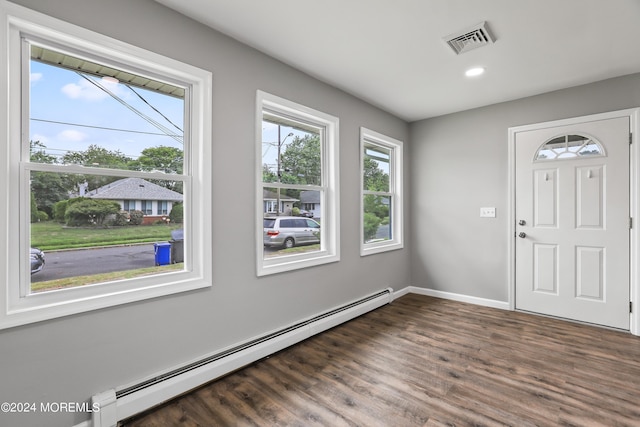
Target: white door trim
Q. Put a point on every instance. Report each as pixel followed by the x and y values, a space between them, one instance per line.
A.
pixel 634 203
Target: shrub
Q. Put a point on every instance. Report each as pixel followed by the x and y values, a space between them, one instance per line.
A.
pixel 371 224
pixel 177 214
pixel 59 210
pixel 89 211
pixel 43 216
pixel 135 217
pixel 121 218
pixel 295 211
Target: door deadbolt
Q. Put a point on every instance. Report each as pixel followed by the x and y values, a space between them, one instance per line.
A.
pixel 522 222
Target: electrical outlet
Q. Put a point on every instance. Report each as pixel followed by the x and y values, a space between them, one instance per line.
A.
pixel 487 212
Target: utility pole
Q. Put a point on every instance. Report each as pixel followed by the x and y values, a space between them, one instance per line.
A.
pixel 278 171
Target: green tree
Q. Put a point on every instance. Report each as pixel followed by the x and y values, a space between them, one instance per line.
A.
pixel 37 153
pixel 59 209
pixel 34 208
pixel 376 211
pixel 95 156
pixel 267 175
pixel 47 188
pixel 163 159
pixel 375 179
pixel 375 205
pixel 371 225
pixel 301 161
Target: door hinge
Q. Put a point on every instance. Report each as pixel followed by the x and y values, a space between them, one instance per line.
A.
pixel 630 138
pixel 630 307
pixel 630 223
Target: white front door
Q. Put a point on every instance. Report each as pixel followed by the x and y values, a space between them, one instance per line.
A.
pixel 572 221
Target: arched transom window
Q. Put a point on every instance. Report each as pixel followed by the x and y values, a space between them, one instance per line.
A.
pixel 570 147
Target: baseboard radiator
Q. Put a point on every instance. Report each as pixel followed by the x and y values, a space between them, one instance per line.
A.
pixel 116 405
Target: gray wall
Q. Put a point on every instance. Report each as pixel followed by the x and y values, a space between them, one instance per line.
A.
pixel 459 164
pixel 70 359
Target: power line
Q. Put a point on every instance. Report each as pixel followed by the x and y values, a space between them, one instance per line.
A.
pixel 103 128
pixel 126 104
pixel 154 108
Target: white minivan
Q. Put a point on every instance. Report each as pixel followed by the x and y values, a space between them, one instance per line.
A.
pixel 290 231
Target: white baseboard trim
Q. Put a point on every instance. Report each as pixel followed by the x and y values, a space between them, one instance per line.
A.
pixel 134 399
pixel 402 292
pixel 117 409
pixel 451 296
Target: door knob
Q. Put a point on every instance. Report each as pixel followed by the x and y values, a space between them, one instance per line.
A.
pixel 522 235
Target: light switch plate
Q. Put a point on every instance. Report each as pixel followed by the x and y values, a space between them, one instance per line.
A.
pixel 487 212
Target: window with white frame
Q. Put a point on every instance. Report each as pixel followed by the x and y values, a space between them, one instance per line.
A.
pixel 297 152
pixel 92 121
pixel 147 207
pixel 162 207
pixel 381 172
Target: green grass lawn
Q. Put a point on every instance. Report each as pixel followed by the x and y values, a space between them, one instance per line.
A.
pixel 74 281
pixel 51 235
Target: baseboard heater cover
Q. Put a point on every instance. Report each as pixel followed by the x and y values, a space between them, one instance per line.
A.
pixel 139 397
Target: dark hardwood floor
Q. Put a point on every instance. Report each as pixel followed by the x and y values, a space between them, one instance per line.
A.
pixel 423 361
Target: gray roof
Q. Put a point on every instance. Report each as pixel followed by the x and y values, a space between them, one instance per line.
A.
pixel 310 196
pixel 134 189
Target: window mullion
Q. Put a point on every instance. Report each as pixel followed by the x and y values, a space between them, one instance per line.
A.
pixel 378 193
pixel 83 170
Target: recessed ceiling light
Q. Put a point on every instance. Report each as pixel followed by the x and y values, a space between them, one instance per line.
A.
pixel 474 72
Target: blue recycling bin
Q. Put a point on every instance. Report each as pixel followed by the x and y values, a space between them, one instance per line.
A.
pixel 163 253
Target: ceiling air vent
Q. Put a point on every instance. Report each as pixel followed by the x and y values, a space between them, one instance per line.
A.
pixel 469 39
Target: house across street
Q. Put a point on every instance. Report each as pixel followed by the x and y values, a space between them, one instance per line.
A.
pixel 155 201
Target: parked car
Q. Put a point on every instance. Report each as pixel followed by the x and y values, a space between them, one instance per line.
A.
pixel 290 231
pixel 306 214
pixel 37 260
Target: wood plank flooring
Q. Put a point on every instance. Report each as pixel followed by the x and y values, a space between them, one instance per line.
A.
pixel 428 362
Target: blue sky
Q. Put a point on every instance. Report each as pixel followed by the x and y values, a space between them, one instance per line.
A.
pixel 61 95
pixel 270 138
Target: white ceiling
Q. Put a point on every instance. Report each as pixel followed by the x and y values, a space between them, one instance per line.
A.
pixel 391 53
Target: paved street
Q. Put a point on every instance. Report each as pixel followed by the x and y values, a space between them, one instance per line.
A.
pixel 80 262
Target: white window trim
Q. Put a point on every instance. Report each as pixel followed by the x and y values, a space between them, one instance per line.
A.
pixel 395 189
pixel 330 230
pixel 18 310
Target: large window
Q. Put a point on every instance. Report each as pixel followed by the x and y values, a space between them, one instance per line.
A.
pixel 381 172
pixel 93 126
pixel 297 152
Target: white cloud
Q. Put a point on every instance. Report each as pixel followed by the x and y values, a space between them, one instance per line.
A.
pixel 35 77
pixel 89 92
pixel 72 136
